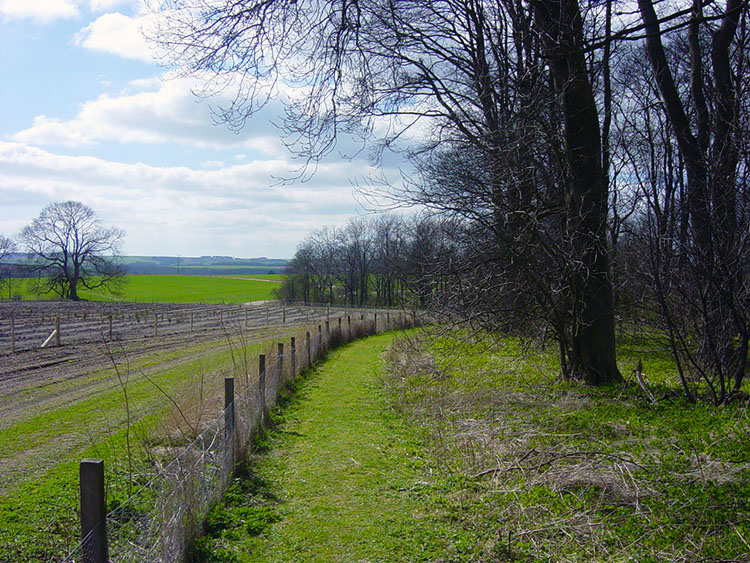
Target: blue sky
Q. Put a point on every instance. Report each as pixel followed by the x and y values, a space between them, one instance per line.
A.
pixel 86 113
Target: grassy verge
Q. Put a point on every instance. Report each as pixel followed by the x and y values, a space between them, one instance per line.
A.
pixel 341 478
pixel 543 470
pixel 41 450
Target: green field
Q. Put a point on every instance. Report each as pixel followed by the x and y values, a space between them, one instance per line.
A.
pixel 176 289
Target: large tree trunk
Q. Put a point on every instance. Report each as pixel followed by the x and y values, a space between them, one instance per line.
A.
pixel 593 353
pixel 73 289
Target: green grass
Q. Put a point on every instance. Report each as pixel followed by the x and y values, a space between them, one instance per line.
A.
pixel 38 510
pixel 548 470
pixel 344 479
pixel 176 289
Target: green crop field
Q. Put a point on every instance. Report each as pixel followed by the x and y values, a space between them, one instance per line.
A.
pixel 177 289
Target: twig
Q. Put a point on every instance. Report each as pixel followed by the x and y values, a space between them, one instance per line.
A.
pixel 639 376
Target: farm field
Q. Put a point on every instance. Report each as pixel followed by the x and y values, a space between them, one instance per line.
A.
pixel 59 404
pixel 176 289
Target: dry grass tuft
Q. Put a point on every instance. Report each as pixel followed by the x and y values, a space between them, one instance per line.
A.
pixel 545 470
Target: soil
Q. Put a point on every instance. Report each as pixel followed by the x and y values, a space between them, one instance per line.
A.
pixel 35 379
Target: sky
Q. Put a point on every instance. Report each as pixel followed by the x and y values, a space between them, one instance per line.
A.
pixel 88 113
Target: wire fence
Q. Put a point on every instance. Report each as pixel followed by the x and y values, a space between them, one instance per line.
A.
pixel 160 520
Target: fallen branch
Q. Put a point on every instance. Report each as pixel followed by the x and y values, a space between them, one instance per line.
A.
pixel 641 378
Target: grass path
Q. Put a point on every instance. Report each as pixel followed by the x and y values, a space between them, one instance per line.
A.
pixel 343 479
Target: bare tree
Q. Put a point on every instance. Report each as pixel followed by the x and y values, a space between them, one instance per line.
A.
pixel 71 248
pixel 702 285
pixel 7 248
pixel 382 69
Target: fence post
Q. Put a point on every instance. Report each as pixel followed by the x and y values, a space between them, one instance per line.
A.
pixel 328 328
pixel 280 361
pixel 247 322
pixel 308 346
pixel 349 327
pixel 109 318
pixel 229 409
pixel 93 512
pixel 376 323
pixel 320 340
pixel 156 324
pixel 262 387
pixel 283 314
pixel 294 356
pixel 57 331
pixel 12 333
pixel 328 311
pixel 191 321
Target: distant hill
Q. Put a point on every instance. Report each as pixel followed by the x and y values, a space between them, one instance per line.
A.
pixel 203 265
pixel 17 266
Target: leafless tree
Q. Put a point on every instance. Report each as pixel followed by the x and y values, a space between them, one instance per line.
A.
pixel 684 132
pixel 71 248
pixel 389 260
pixel 7 248
pixel 390 70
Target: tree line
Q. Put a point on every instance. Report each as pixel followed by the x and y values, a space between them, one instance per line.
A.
pixel 383 260
pixel 592 156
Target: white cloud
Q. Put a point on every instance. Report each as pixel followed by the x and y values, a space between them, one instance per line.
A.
pixel 118 34
pixel 108 5
pixel 39 11
pixel 152 111
pixel 167 210
pixel 212 164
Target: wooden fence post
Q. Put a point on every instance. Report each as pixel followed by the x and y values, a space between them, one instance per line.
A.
pixel 283 313
pixel 293 357
pixel 57 331
pixel 376 323
pixel 109 318
pixel 12 333
pixel 280 361
pixel 156 324
pixel 349 327
pixel 308 345
pixel 93 512
pixel 229 420
pixel 191 321
pixel 320 339
pixel 262 387
pixel 328 328
pixel 229 404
